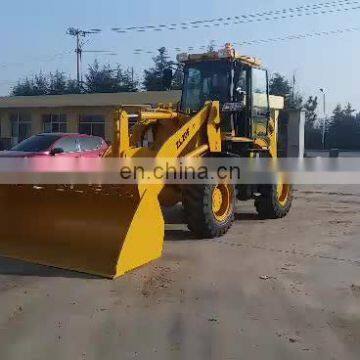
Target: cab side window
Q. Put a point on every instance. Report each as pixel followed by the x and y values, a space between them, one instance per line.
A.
pixel 259 81
pixel 260 103
pixel 241 83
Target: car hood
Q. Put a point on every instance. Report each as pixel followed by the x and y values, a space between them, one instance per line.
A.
pixel 19 154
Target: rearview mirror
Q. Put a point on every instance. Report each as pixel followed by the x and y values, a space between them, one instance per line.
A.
pixel 56 151
pixel 241 95
pixel 240 91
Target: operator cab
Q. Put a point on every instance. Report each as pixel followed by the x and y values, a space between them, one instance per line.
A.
pixel 237 82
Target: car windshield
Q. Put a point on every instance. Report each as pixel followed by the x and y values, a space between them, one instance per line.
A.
pixel 36 143
pixel 203 82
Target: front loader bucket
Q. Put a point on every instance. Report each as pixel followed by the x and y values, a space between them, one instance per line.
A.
pixel 104 231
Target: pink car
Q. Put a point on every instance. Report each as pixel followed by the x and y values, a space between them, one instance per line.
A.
pixel 58 144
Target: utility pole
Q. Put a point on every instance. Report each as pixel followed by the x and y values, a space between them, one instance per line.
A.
pixel 78 52
pixel 79 34
pixel 293 87
pixel 322 90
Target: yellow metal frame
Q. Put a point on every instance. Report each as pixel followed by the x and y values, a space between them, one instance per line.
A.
pixel 141 245
pixel 111 232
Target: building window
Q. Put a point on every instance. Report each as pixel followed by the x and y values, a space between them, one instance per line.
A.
pixel 20 127
pixel 92 125
pixel 53 123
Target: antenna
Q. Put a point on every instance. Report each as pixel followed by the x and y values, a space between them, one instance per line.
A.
pixel 78 34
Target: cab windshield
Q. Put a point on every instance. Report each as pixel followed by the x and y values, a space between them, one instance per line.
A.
pixel 205 81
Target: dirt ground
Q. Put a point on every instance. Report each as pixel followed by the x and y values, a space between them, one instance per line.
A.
pixel 275 289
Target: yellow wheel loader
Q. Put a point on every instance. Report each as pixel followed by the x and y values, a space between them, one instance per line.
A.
pixel 225 110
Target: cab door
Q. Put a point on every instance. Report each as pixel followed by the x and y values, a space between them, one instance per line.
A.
pixel 242 96
pixel 260 111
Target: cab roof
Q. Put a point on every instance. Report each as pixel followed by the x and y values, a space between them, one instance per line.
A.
pixel 228 52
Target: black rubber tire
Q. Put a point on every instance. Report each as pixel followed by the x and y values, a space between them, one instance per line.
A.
pixel 268 206
pixel 197 204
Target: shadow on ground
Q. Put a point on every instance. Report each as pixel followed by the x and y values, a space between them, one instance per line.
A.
pixel 246 216
pixel 21 268
pixel 178 235
pixel 173 217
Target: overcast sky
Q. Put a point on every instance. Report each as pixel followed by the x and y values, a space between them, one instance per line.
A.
pixel 33 38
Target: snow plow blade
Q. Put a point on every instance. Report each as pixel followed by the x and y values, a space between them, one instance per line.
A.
pixel 105 231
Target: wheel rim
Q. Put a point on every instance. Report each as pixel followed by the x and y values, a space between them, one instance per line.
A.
pixel 222 201
pixel 283 191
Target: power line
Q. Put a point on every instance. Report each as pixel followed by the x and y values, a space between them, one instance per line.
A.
pixel 299 36
pixel 258 41
pixel 54 57
pixel 36 59
pixel 49 59
pixel 286 13
pixel 7 82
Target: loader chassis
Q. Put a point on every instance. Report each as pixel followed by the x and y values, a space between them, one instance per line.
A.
pixel 225 111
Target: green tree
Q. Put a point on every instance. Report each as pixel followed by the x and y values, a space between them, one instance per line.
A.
pixel 41 84
pixel 344 129
pixel 335 126
pixel 23 88
pixel 57 83
pixel 72 87
pixel 280 86
pixel 310 108
pixel 154 77
pixel 45 84
pixel 100 79
pixel 104 79
pixel 313 134
pixel 349 110
pixel 125 81
pixel 38 85
pixel 178 78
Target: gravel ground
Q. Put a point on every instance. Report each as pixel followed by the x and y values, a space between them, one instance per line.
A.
pixel 274 289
